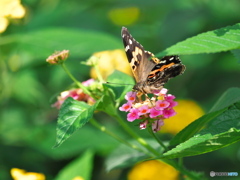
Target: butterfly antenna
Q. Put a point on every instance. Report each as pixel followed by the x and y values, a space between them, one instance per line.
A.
pixel 118 84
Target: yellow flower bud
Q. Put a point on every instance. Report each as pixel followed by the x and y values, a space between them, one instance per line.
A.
pixel 58 57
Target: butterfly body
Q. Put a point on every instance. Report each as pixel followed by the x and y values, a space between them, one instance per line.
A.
pixel 149 72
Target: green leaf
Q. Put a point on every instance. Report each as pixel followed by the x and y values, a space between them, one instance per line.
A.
pixel 231 96
pixel 124 156
pixel 80 141
pixel 72 116
pixel 124 84
pixel 80 167
pixel 228 119
pixel 42 43
pixel 221 131
pixel 106 103
pixel 194 127
pixel 223 39
pixel 204 144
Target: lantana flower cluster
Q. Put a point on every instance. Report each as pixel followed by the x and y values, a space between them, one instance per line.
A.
pixel 76 94
pixel 151 111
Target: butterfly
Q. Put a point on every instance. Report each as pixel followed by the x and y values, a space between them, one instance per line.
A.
pixel 149 72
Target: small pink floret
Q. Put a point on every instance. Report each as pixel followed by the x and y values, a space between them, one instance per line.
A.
pixel 133 115
pixel 155 113
pixel 88 82
pixel 143 110
pixel 169 97
pixel 156 92
pixel 163 91
pixel 125 107
pixel 130 96
pixel 162 104
pixel 167 113
pixel 172 104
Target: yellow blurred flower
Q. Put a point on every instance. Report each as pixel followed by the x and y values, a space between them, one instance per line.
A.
pixel 3 24
pixel 124 16
pixel 187 112
pixel 108 61
pixel 153 170
pixel 10 9
pixel 78 178
pixel 20 174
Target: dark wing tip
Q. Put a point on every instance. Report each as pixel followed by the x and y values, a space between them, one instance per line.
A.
pixel 125 32
pixel 124 28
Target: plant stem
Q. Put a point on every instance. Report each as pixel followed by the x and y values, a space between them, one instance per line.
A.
pixel 135 136
pixel 99 76
pixel 153 151
pixel 105 130
pixel 180 161
pixel 85 90
pixel 157 139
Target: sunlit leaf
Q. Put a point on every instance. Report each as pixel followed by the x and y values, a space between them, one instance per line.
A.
pixel 204 144
pixel 223 39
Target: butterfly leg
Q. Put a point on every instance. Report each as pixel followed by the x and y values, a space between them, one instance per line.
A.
pixel 150 100
pixel 146 96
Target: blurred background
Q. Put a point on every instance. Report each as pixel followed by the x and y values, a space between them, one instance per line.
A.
pixel 28 85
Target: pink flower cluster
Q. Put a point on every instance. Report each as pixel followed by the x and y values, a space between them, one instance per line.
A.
pixel 76 94
pixel 150 111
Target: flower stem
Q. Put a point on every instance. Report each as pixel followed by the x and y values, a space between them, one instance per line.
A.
pixel 154 152
pixel 85 90
pixel 180 161
pixel 105 130
pixel 157 139
pixel 99 76
pixel 135 136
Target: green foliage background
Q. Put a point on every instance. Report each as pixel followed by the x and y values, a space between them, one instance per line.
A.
pixel 28 85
